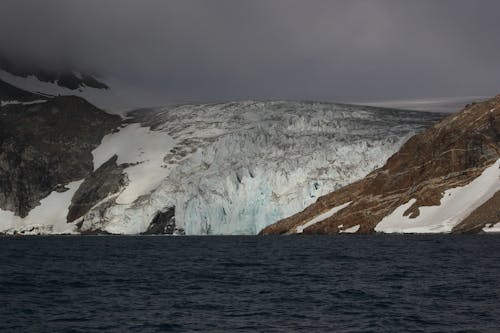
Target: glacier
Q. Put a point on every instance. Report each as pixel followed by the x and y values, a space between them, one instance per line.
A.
pixel 236 167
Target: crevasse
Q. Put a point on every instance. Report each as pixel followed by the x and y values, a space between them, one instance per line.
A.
pixel 234 168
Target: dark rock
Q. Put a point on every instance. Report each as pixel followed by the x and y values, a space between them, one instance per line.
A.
pixel 162 223
pixel 46 145
pixel 66 78
pixel 92 82
pixel 106 180
pixel 69 80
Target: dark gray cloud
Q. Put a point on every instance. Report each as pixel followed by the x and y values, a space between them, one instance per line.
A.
pixel 349 50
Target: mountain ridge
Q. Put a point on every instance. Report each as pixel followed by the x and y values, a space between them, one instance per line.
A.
pixel 64 78
pixel 449 155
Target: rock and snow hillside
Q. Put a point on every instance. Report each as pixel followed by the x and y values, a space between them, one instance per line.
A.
pixel 49 83
pixel 115 96
pixel 446 179
pixel 100 96
pixel 67 79
pixel 230 168
pixel 45 151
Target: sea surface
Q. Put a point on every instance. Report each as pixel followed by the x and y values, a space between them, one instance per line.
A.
pixel 347 283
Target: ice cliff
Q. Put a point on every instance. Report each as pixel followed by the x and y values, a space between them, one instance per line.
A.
pixel 235 168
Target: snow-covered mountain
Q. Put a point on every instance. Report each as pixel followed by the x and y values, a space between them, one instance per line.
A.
pixel 446 179
pixel 229 168
pixel 103 97
pixel 112 94
pixel 45 150
pixel 69 79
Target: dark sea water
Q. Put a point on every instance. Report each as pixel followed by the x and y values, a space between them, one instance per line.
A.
pixel 348 283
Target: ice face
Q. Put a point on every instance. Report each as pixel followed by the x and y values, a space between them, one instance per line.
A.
pixel 234 168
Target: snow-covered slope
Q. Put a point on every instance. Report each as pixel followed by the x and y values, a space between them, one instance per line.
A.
pixel 116 99
pixel 234 168
pixel 47 218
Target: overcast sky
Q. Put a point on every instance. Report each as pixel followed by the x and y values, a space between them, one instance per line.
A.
pixel 210 50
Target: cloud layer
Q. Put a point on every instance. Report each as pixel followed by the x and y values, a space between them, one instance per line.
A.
pixel 351 50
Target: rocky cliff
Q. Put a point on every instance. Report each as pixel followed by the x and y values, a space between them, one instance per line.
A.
pixel 445 179
pixel 46 144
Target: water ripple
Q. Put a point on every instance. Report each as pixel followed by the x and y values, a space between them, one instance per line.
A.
pixel 377 283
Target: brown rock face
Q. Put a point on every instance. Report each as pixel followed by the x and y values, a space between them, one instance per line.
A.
pixel 487 214
pixel 452 153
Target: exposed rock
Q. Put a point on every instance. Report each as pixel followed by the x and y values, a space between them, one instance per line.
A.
pixel 71 81
pixel 487 214
pixel 46 145
pixel 450 154
pixel 106 180
pixel 162 223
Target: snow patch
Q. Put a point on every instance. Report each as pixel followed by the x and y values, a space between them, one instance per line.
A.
pixel 48 217
pixel 350 230
pixel 456 204
pixel 145 150
pixel 493 228
pixel 319 218
pixel 38 101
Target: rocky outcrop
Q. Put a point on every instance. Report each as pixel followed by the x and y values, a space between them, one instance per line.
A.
pixel 162 223
pixel 449 155
pixel 46 145
pixel 108 179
